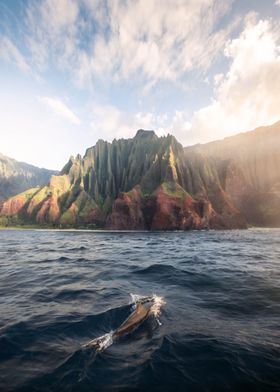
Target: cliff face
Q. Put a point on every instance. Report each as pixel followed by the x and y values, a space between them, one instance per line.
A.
pixel 249 167
pixel 154 183
pixel 16 177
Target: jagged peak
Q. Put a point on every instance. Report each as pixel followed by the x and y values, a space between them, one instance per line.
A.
pixel 66 168
pixel 141 133
pixel 172 138
pixel 101 141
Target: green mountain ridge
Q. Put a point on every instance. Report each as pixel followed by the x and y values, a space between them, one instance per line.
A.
pixel 150 182
pixel 16 177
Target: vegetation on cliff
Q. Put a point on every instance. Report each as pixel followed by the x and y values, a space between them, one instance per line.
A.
pixel 149 182
pixel 16 177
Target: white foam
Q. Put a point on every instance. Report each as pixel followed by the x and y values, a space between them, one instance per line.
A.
pixel 137 298
pixel 106 340
pixel 157 301
pixel 102 342
pixel 156 307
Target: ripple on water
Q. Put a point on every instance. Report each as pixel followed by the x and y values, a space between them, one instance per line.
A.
pixel 220 324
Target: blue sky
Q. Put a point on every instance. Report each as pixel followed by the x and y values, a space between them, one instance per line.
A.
pixel 75 71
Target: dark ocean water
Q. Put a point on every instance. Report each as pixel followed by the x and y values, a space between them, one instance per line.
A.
pixel 220 325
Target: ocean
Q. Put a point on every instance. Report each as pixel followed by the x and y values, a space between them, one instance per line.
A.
pixel 218 328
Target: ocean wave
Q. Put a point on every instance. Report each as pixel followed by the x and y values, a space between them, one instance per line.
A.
pixel 220 325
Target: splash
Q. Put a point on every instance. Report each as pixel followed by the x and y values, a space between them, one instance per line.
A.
pixel 157 301
pixel 102 342
pixel 135 298
pixel 106 340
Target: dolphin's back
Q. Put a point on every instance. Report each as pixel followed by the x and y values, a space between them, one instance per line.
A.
pixel 137 317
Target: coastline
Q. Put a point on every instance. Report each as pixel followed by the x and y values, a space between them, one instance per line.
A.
pixel 80 229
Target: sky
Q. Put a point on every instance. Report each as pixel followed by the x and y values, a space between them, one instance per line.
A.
pixel 75 71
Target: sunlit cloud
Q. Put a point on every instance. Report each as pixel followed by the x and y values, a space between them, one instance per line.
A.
pixel 198 69
pixel 109 122
pixel 247 96
pixel 132 38
pixel 60 109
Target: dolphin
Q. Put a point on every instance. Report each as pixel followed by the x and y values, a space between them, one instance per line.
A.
pixel 142 311
pixel 140 314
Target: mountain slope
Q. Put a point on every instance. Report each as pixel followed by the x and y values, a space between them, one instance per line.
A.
pixel 149 182
pixel 249 166
pixel 16 177
pixel 139 183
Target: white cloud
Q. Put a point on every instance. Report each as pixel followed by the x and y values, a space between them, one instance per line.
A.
pixel 52 33
pixel 59 108
pixel 124 39
pixel 180 125
pixel 109 122
pixel 144 42
pixel 10 53
pixel 249 94
pixel 277 2
pixel 218 78
pixel 159 42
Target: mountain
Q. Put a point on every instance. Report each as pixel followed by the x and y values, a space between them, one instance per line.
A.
pixel 249 167
pixel 16 177
pixel 151 182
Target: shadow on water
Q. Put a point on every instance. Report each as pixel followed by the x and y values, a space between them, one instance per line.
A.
pixel 220 324
pixel 164 364
pixel 86 368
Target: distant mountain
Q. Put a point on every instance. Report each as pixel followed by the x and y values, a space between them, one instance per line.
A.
pixel 249 167
pixel 16 177
pixel 149 182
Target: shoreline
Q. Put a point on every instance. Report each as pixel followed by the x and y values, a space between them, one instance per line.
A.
pixel 36 228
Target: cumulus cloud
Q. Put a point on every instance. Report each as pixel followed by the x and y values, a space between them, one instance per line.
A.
pixel 60 109
pixel 11 54
pixel 248 95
